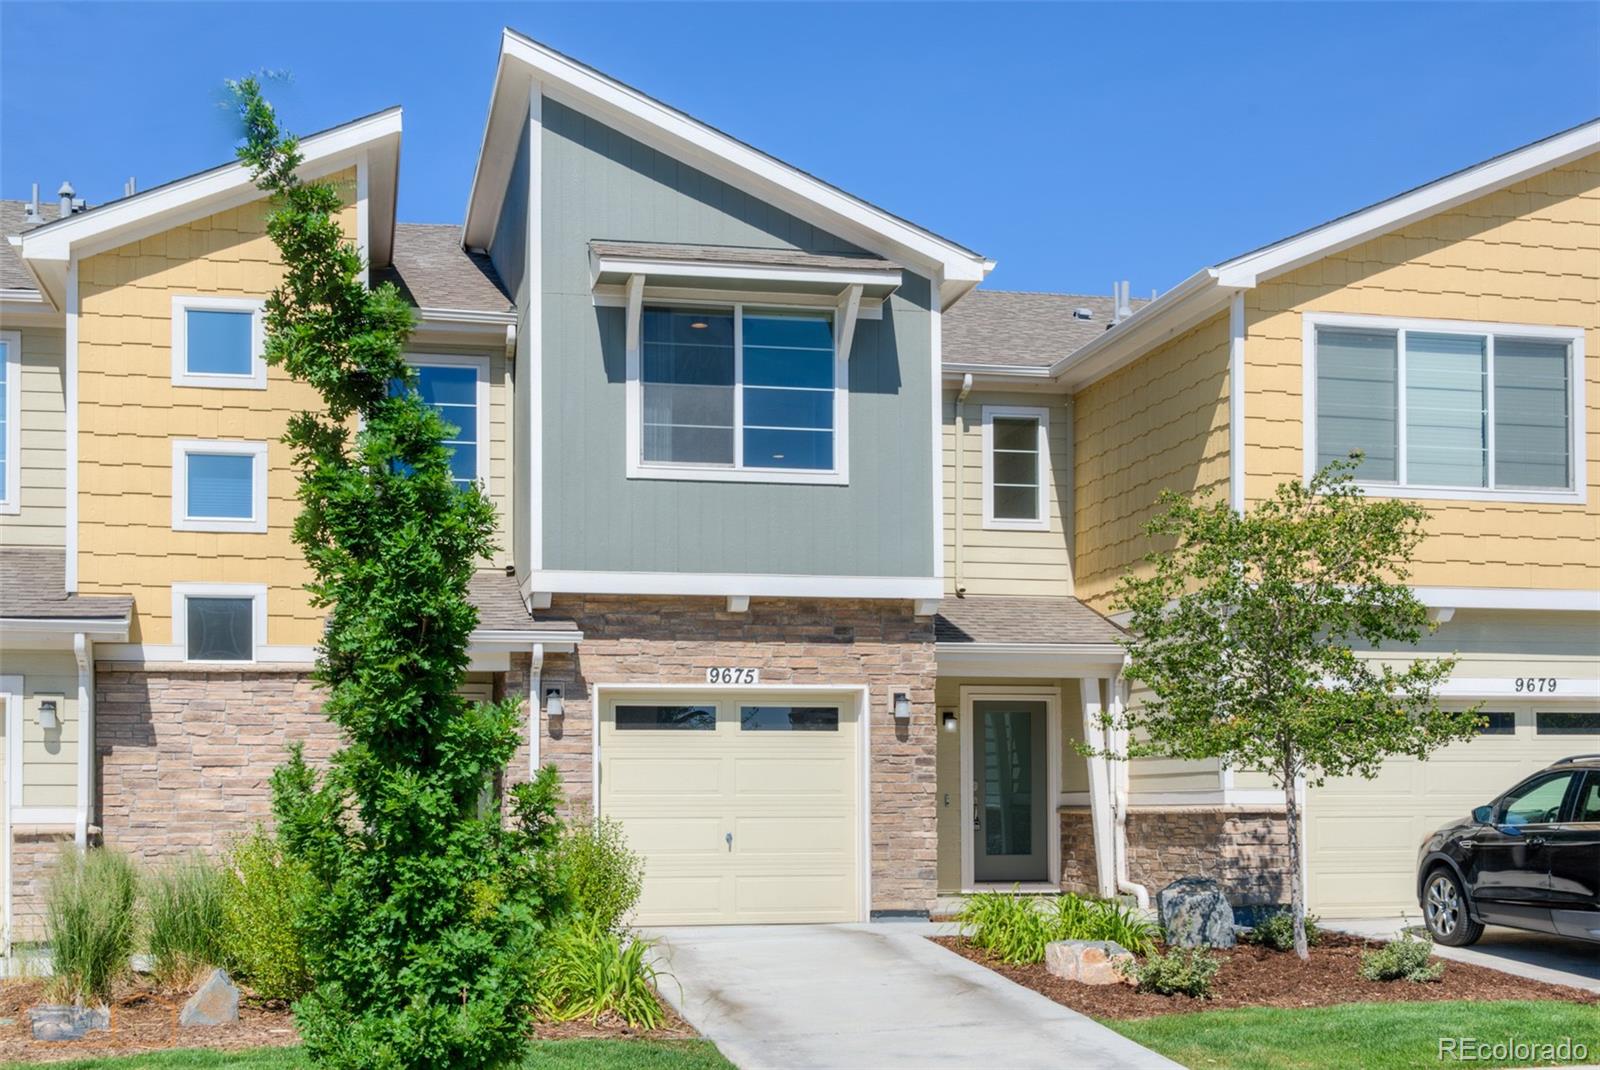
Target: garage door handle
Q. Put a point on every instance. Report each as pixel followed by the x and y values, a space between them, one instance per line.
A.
pixel 1535 841
pixel 729 837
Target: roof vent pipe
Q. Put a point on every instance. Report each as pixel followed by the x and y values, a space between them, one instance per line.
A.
pixel 129 188
pixel 33 205
pixel 1121 300
pixel 65 193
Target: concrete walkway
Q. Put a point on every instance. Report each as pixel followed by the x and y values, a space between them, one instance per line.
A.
pixel 871 996
pixel 1552 959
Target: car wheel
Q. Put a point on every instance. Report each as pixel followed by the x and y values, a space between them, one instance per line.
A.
pixel 1444 908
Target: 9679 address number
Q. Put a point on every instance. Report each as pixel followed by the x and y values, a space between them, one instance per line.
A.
pixel 1536 685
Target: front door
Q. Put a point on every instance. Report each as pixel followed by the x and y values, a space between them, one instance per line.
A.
pixel 1010 816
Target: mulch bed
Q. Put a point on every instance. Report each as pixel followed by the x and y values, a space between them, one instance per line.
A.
pixel 1258 977
pixel 144 1018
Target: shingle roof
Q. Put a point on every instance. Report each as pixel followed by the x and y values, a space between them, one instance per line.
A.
pixel 14 220
pixel 432 270
pixel 741 255
pixel 501 609
pixel 984 619
pixel 1013 327
pixel 33 586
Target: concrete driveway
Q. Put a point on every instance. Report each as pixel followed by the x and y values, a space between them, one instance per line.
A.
pixel 871 996
pixel 1554 959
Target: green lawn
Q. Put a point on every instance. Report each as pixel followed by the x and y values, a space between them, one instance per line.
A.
pixel 1373 1036
pixel 556 1054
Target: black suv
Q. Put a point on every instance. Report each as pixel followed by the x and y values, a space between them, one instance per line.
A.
pixel 1530 860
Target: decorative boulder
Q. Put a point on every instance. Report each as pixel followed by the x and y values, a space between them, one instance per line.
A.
pixel 216 1003
pixel 1195 913
pixel 67 1022
pixel 1089 962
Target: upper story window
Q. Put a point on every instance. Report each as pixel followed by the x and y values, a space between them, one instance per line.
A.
pixel 10 421
pixel 1445 410
pixel 739 393
pixel 219 622
pixel 458 389
pixel 219 486
pixel 218 342
pixel 1016 468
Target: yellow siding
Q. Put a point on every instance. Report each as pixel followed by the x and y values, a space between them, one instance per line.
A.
pixel 1004 562
pixel 1528 254
pixel 49 758
pixel 1159 424
pixel 42 467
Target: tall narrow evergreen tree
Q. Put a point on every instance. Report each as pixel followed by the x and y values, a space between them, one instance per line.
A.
pixel 421 944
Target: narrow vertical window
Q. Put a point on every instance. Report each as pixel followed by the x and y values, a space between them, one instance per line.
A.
pixel 688 383
pixel 1016 468
pixel 1532 413
pixel 1447 407
pixel 1358 401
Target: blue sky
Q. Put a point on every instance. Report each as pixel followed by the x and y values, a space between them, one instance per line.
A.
pixel 1074 143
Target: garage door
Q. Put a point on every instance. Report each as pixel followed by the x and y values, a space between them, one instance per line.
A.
pixel 1362 835
pixel 744 807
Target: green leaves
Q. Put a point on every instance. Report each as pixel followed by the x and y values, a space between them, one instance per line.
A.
pixel 422 937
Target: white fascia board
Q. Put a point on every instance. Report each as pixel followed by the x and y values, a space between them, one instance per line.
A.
pixel 1028 660
pixel 25 632
pixel 169 205
pixel 524 61
pixel 1437 196
pixel 723 584
pixel 555 640
pixel 1192 301
pixel 1524 598
pixel 997 374
pixel 840 277
pixel 466 317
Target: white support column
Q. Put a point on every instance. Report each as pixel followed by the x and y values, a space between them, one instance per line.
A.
pixel 1100 816
pixel 535 708
pixel 83 650
pixel 1236 439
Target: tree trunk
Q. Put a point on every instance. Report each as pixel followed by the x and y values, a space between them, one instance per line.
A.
pixel 1297 896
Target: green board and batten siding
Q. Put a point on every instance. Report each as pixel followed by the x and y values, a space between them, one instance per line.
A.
pixel 600 184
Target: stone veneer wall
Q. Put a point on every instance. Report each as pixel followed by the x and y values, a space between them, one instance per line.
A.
pixel 629 640
pixel 33 855
pixel 1246 849
pixel 185 756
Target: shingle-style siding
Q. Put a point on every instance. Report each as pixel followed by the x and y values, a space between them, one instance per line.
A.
pixel 1159 424
pixel 1527 254
pixel 600 184
pixel 997 562
pixel 41 469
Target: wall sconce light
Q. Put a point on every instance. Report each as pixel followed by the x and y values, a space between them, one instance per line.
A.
pixel 49 713
pixel 950 722
pixel 902 706
pixel 552 704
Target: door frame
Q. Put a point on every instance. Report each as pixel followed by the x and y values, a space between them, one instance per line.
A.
pixel 1050 695
pixel 11 690
pixel 600 694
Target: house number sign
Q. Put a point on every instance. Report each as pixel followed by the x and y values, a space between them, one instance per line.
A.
pixel 735 674
pixel 1536 685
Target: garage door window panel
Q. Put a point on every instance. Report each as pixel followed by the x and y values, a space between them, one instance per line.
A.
pixel 1567 723
pixel 788 718
pixel 666 718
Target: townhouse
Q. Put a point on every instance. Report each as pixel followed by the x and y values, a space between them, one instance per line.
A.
pixel 807 541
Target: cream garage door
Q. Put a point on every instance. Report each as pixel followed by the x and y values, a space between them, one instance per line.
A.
pixel 744 807
pixel 1362 836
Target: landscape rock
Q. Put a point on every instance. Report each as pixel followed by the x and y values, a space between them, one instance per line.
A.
pixel 57 1021
pixel 216 1003
pixel 1195 913
pixel 1089 962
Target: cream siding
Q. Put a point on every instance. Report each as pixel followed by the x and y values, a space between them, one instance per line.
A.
pixel 1527 254
pixel 42 464
pixel 1002 562
pixel 49 758
pixel 1159 424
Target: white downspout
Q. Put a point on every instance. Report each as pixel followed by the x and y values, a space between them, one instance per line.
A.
pixel 1117 743
pixel 535 702
pixel 1100 820
pixel 83 650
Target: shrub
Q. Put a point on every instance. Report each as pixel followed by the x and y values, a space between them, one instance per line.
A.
pixel 1402 959
pixel 588 971
pixel 1181 971
pixel 1107 920
pixel 603 876
pixel 89 922
pixel 183 912
pixel 1276 930
pixel 1016 928
pixel 263 895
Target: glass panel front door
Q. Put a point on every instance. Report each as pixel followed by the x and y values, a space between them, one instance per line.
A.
pixel 1009 804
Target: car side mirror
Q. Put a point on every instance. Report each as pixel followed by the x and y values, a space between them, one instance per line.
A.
pixel 1483 814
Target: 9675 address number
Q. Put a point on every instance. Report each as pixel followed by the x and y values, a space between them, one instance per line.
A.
pixel 1536 685
pixel 733 675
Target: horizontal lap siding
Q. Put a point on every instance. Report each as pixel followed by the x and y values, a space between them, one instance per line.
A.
pixel 1528 254
pixel 42 463
pixel 1005 562
pixel 129 412
pixel 1159 424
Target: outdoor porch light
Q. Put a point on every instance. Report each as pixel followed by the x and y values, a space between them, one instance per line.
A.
pixel 902 706
pixel 552 703
pixel 950 722
pixel 49 714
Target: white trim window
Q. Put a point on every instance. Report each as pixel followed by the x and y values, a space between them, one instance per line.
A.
pixel 458 389
pixel 1016 468
pixel 1444 409
pixel 10 422
pixel 737 393
pixel 219 621
pixel 219 486
pixel 219 342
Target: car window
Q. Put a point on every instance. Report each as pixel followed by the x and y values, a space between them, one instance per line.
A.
pixel 1588 808
pixel 1536 803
